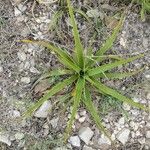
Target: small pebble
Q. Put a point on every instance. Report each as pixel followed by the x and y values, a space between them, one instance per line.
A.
pixel 25 80
pixel 85 134
pixel 75 141
pixel 21 56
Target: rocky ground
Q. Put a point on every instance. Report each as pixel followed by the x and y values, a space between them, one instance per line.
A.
pixel 22 64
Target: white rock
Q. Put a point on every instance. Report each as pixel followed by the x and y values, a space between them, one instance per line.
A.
pixel 123 41
pixel 85 147
pixel 83 113
pixel 148 134
pixel 86 134
pixel 34 70
pixel 104 140
pixel 75 141
pixel 126 106
pixel 134 125
pixel 17 12
pixel 4 137
pixel 16 114
pixel 121 121
pixel 123 135
pixel 22 8
pixel 19 136
pixel 148 96
pixel 1 69
pixel 54 122
pixel 21 56
pixel 43 111
pixel 25 80
pixel 82 119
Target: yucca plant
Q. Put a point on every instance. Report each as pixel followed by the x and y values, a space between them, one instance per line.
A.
pixel 82 73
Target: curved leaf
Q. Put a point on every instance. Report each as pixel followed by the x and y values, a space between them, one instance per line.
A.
pixel 114 93
pixel 106 67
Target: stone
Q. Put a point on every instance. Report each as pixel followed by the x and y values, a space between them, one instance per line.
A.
pixel 121 121
pixel 104 140
pixel 123 135
pixel 54 122
pixel 74 141
pixel 19 136
pixel 86 134
pixel 148 134
pixel 34 70
pixel 25 80
pixel 25 32
pixel 1 69
pixel 17 12
pixel 4 138
pixel 82 119
pixel 83 113
pixel 43 111
pixel 148 96
pixel 85 147
pixel 126 106
pixel 16 114
pixel 21 56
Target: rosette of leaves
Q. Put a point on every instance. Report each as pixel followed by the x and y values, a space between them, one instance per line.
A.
pixel 81 72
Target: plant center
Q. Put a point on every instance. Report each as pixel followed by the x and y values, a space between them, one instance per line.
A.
pixel 81 73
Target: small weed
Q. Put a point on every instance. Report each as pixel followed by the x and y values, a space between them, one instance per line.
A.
pixel 81 71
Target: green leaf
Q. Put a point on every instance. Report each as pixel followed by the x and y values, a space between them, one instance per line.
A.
pixel 58 87
pixel 91 108
pixel 106 67
pixel 109 42
pixel 78 45
pixel 117 75
pixel 77 98
pixel 62 55
pixel 52 73
pixel 115 94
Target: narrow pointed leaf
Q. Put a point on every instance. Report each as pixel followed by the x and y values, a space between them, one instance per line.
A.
pixel 58 87
pixel 115 94
pixel 107 67
pixel 109 42
pixel 91 108
pixel 78 45
pixel 77 98
pixel 67 59
pixel 117 75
